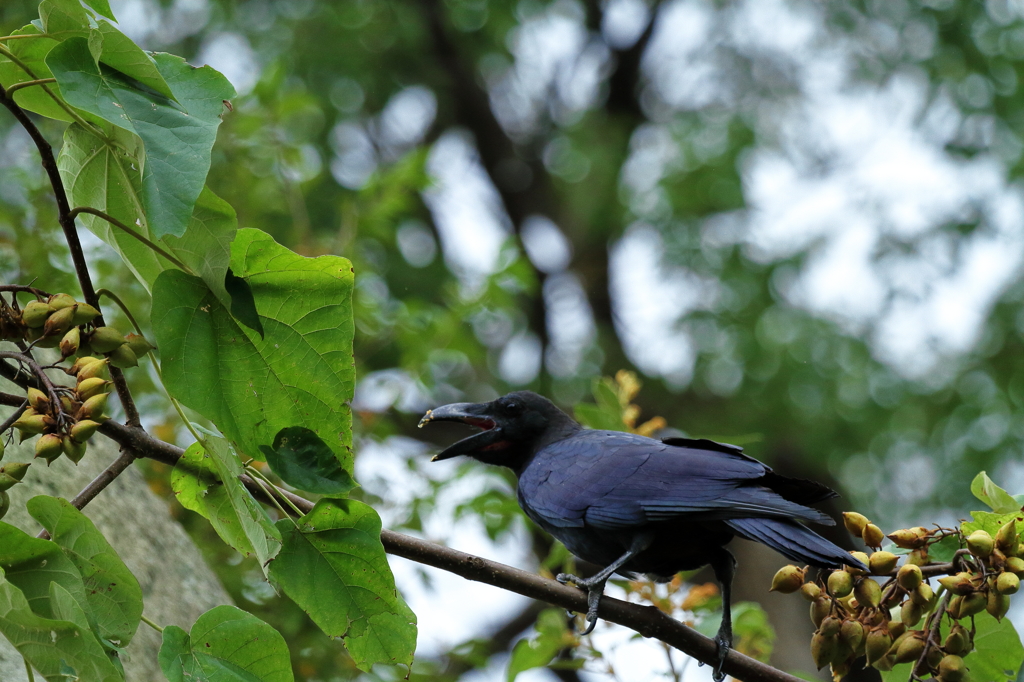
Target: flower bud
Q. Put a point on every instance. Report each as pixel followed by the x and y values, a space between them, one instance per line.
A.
pixel 61 301
pixel 48 447
pixel 74 449
pixel 38 401
pixel 823 649
pixel 84 430
pixel 139 345
pixel 981 544
pixel 35 313
pixel 31 423
pixel 105 339
pixel 882 563
pixel 840 584
pixel 15 470
pixel 69 344
pixel 1006 538
pixel 868 592
pixel 852 634
pixel 84 314
pixel 909 576
pixel 87 388
pixel 787 580
pixel 58 322
pixel 876 645
pixel 910 649
pixel 872 535
pixel 1007 583
pixel 855 523
pixel 810 591
pixel 93 408
pixel 952 669
pixel 123 357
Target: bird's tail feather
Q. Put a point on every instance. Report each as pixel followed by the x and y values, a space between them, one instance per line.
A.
pixel 794 541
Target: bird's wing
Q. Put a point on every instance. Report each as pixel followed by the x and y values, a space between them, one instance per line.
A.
pixel 618 480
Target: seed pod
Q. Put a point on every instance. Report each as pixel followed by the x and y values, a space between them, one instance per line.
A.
pixel 981 544
pixel 7 482
pixel 123 357
pixel 829 626
pixel 38 401
pixel 105 339
pixel 855 523
pixel 923 595
pixel 1007 583
pixel 58 322
pixel 73 449
pixel 35 313
pixel 61 301
pixel 30 424
pixel 996 604
pixel 80 363
pixel 85 314
pixel 958 641
pixel 877 644
pixel 872 535
pixel 787 580
pixel 48 447
pixel 919 557
pixel 1015 565
pixel 68 404
pixel 909 538
pixel 911 649
pixel 896 628
pixel 820 608
pixel 93 408
pixel 823 649
pixel 87 388
pixel 910 613
pixel 953 608
pixel 810 591
pixel 952 669
pixel 15 470
pixel 5 503
pixel 139 345
pixel 868 592
pixel 909 576
pixel 840 584
pixel 853 570
pixel 961 583
pixel 885 663
pixel 70 343
pixel 882 563
pixel 852 634
pixel 973 604
pixel 94 369
pixel 1006 538
pixel 84 430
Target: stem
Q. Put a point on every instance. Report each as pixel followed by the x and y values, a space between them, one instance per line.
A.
pixel 120 304
pixel 151 624
pixel 273 499
pixel 67 224
pixel 26 84
pixel 259 474
pixel 28 670
pixel 118 224
pixel 14 417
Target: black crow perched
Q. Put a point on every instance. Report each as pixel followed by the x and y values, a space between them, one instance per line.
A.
pixel 636 505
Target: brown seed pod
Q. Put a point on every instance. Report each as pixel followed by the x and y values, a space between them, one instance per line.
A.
pixel 996 604
pixel 958 641
pixel 876 645
pixel 787 580
pixel 810 591
pixel 882 563
pixel 70 343
pixel 910 613
pixel 872 535
pixel 852 634
pixel 38 401
pixel 952 669
pixel 868 592
pixel 855 523
pixel 911 648
pixel 823 649
pixel 820 608
pixel 909 576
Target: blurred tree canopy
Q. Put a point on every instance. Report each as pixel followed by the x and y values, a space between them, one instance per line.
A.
pixel 801 222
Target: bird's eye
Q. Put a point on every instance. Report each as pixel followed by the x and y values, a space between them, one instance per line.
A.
pixel 513 407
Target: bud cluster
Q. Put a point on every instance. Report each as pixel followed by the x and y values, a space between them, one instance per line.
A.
pixel 898 620
pixel 65 425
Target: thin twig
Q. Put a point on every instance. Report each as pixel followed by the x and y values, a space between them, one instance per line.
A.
pixel 19 288
pixel 25 84
pixel 14 417
pixel 98 484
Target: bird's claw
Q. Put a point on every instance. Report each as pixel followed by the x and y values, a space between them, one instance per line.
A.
pixel 723 652
pixel 570 578
pixel 594 592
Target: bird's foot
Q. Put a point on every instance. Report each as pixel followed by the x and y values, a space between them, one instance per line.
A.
pixel 724 644
pixel 594 588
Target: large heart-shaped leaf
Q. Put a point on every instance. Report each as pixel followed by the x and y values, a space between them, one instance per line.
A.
pixel 31 564
pixel 333 566
pixel 304 461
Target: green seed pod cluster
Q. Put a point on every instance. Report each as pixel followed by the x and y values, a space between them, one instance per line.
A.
pixel 57 322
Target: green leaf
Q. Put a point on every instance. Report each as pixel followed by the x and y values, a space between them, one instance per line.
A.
pixel 594 417
pixel 112 592
pixel 944 549
pixel 300 373
pixel 102 7
pixel 31 564
pixel 997 650
pixel 32 52
pixel 995 497
pixel 178 136
pixel 226 644
pixel 989 522
pixel 541 649
pixel 205 480
pixel 113 48
pixel 59 16
pixel 53 645
pixel 333 566
pixel 304 461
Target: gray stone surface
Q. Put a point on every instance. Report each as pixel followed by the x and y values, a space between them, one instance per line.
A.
pixel 177 585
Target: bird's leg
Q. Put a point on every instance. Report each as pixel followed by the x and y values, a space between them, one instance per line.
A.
pixel 595 583
pixel 724 566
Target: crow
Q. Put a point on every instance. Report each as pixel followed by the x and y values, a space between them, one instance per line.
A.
pixel 641 506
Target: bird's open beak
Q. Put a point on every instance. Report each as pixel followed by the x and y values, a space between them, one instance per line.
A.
pixel 473 414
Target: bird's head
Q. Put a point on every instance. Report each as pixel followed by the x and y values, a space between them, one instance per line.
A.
pixel 512 427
